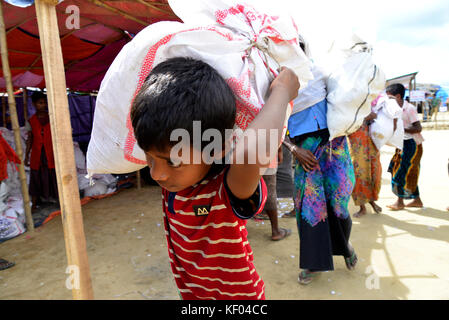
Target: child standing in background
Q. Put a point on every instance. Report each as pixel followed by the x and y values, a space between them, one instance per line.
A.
pixel 43 185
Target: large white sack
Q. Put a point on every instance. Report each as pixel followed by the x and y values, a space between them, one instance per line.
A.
pixel 80 159
pixel 382 129
pixel 11 224
pixel 12 214
pixel 13 180
pixel 3 196
pixel 234 39
pixel 352 87
pixel 99 188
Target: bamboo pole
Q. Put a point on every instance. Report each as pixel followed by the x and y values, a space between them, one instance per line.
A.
pixel 61 129
pixel 139 181
pixel 4 111
pixel 15 122
pixel 25 104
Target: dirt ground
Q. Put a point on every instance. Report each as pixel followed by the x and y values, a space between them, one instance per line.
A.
pixel 402 255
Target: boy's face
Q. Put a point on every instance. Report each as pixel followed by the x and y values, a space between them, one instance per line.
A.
pixel 41 105
pixel 173 175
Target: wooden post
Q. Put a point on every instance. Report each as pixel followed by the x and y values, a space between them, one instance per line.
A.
pixel 25 104
pixel 139 181
pixel 15 122
pixel 63 150
pixel 4 110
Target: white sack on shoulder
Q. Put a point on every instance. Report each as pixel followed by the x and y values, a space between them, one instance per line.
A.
pixel 382 129
pixel 313 93
pixel 244 46
pixel 351 89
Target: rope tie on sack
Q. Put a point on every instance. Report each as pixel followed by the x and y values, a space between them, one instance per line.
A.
pixel 263 47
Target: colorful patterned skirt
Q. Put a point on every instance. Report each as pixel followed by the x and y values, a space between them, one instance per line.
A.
pixel 404 168
pixel 321 202
pixel 367 167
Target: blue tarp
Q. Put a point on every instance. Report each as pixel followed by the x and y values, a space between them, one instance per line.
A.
pixel 443 94
pixel 81 114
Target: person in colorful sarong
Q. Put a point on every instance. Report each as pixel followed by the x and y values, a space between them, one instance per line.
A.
pixel 324 180
pixel 367 168
pixel 405 165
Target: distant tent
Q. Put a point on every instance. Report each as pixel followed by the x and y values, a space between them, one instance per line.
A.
pixel 443 94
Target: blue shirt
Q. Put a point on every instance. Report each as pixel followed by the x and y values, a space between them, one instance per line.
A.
pixel 308 120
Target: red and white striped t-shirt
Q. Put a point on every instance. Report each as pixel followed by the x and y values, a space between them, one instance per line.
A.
pixel 207 242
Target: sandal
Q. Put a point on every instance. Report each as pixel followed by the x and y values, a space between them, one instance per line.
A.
pixel 351 261
pixel 305 277
pixel 285 233
pixel 6 264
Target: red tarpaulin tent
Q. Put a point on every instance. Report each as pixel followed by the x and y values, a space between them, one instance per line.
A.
pixel 104 28
pixel 75 58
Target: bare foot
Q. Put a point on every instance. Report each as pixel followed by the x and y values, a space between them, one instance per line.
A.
pixel 396 206
pixel 416 203
pixel 282 234
pixel 360 213
pixel 376 208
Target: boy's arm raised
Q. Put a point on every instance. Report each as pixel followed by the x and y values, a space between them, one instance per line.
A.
pixel 243 177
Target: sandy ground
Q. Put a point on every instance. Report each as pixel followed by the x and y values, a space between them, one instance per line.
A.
pixel 402 255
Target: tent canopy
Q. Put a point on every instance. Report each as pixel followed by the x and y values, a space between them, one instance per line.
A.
pixel 404 80
pixel 105 26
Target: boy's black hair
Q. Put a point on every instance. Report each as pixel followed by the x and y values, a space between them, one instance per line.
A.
pixel 37 95
pixel 177 92
pixel 396 88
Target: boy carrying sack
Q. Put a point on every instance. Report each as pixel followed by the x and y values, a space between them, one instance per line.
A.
pixel 206 205
pixel 228 80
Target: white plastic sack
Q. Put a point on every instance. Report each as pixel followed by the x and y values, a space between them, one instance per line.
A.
pixel 3 196
pixel 83 181
pixel 11 224
pixel 234 39
pixel 314 92
pixel 8 135
pixel 107 179
pixel 97 189
pixel 12 215
pixel 351 89
pixel 381 130
pixel 80 159
pixel 13 181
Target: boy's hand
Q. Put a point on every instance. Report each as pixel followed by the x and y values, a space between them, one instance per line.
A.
pixel 305 158
pixel 287 80
pixel 369 118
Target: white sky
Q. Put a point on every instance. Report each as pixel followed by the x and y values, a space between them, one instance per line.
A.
pixel 407 35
